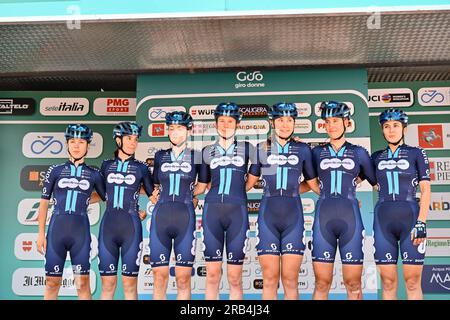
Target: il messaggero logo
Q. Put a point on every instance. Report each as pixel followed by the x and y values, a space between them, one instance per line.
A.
pixel 17 106
pixel 64 106
pixel 32 177
pixel 249 79
pixel 436 279
pixel 31 282
pixel 52 145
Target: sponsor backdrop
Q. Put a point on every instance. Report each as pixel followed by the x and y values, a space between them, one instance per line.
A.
pixel 31 127
pixel 428 107
pixel 255 91
pixel 32 123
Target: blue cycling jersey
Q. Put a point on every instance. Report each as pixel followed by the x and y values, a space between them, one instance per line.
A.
pixel 123 183
pixel 71 187
pixel 398 173
pixel 176 175
pixel 396 212
pixel 281 167
pixel 339 170
pixel 226 170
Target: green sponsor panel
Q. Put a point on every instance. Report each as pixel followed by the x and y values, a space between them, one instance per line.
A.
pixel 23 175
pixel 254 91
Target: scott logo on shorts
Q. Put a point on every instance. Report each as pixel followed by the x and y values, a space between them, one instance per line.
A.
pixel 73 183
pixel 402 164
pixel 348 164
pixel 225 161
pixel 118 178
pixel 282 160
pixel 174 166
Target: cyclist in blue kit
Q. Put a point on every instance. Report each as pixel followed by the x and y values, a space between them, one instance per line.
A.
pixel 121 229
pixel 173 219
pixel 280 228
pixel 71 185
pixel 399 221
pixel 337 223
pixel 225 216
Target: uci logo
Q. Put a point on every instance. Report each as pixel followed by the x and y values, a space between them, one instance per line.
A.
pixel 253 76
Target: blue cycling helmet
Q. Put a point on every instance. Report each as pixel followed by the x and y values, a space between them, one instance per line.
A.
pixel 283 109
pixel 179 117
pixel 393 114
pixel 229 109
pixel 331 109
pixel 126 129
pixel 80 131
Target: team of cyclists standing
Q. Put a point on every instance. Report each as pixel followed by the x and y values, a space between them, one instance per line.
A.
pixel 227 170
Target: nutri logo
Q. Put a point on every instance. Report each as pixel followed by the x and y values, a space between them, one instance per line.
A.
pixel 436 279
pixel 64 106
pixel 249 79
pixel 115 106
pixel 17 106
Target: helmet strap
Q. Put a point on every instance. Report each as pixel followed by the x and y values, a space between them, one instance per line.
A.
pixel 121 148
pixel 343 132
pixel 75 160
